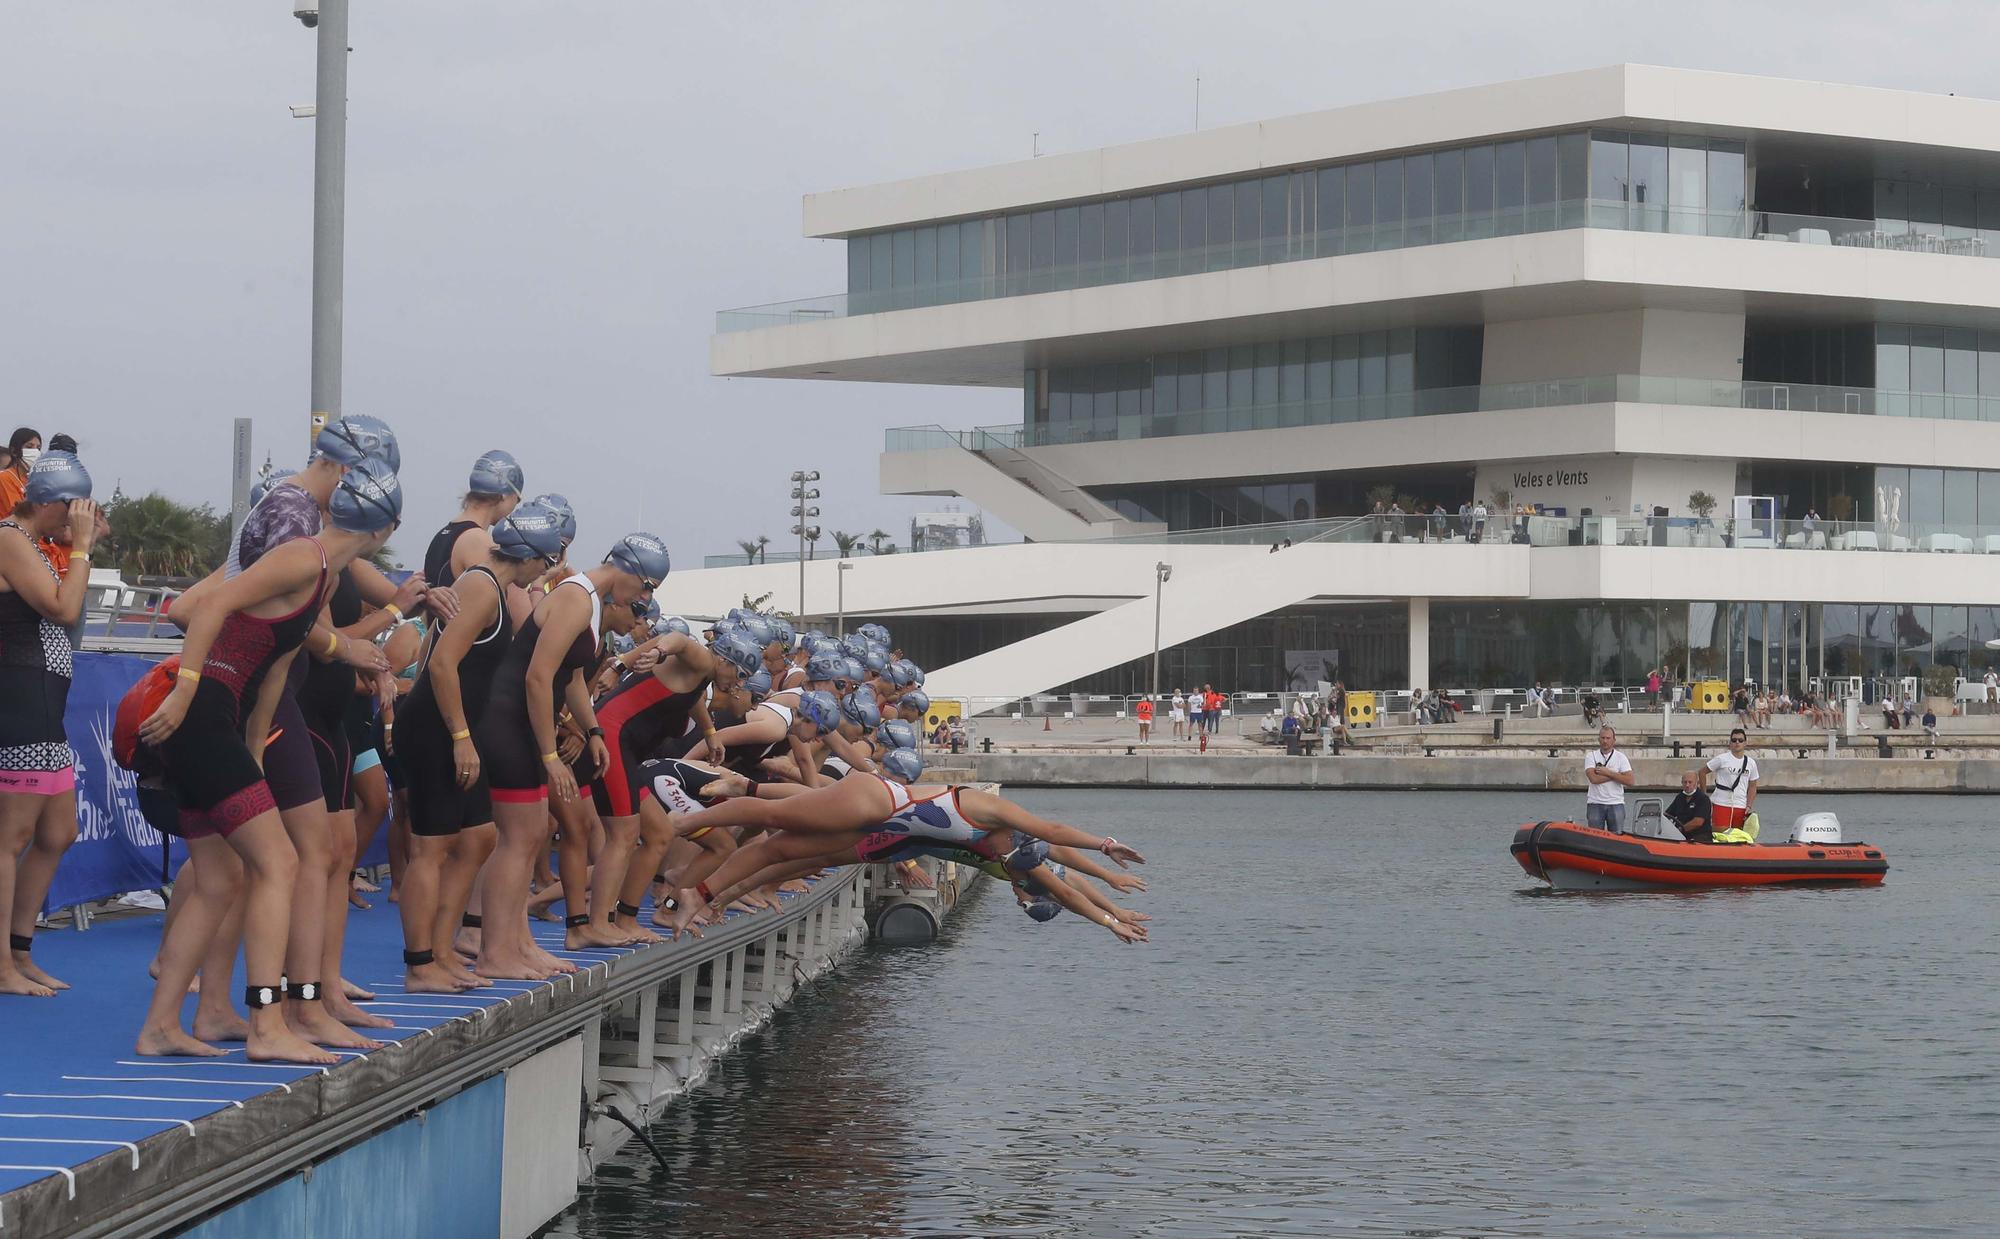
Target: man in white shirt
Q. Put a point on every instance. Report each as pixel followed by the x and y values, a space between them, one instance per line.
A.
pixel 1732 783
pixel 1479 521
pixel 1992 686
pixel 1609 773
pixel 1179 708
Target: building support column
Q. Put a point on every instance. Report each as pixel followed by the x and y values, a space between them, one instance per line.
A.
pixel 1420 642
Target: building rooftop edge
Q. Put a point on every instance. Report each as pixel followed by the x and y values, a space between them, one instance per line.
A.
pixel 1620 92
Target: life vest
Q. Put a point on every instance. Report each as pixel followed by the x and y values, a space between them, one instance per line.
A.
pixel 137 705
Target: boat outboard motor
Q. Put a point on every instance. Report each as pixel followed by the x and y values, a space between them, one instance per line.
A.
pixel 1816 828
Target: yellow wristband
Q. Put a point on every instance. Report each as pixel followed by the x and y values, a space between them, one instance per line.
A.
pixel 464 733
pixel 549 757
pixel 332 644
pixel 395 611
pixel 192 677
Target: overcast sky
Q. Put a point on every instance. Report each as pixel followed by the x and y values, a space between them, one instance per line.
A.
pixel 548 202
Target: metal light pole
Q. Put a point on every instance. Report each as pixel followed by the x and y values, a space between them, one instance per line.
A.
pixel 329 204
pixel 802 510
pixel 840 571
pixel 1160 574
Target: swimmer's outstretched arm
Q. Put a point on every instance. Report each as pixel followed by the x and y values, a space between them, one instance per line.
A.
pixel 994 813
pixel 1086 862
pixel 1063 893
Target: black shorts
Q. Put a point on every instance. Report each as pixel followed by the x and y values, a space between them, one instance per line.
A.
pixel 290 768
pixel 439 807
pixel 335 759
pixel 513 768
pixel 213 779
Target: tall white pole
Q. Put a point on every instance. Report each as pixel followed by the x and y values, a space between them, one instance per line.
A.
pixel 329 214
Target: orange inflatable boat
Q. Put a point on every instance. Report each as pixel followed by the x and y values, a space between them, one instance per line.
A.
pixel 1573 857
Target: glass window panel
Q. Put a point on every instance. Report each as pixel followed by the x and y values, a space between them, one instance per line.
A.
pixel 1090 244
pixel 1374 372
pixel 1926 209
pixel 1961 372
pixel 1609 178
pixel 1141 239
pixel 970 246
pixel 1135 386
pixel 1648 183
pixel 1388 204
pixel 1190 397
pixel 1727 199
pixel 947 264
pixel 1266 379
pixel 1242 371
pixel 1510 188
pixel 1687 185
pixel 926 264
pixel 1167 233
pixel 1923 505
pixel 1418 207
pixel 1927 371
pixel 1058 403
pixel 1041 250
pixel 1572 178
pixel 903 250
pixel 1332 202
pixel 1448 194
pixel 1194 229
pixel 1989 498
pixel 1276 222
pixel 1541 184
pixel 1319 379
pixel 1166 385
pixel 1989 375
pixel 1402 353
pixel 1478 191
pixel 1249 222
pixel 1346 376
pixel 1892 369
pixel 1292 371
pixel 1948 630
pixel 1214 379
pixel 1117 239
pixel 1892 208
pixel 857 264
pixel 1017 252
pixel 1360 208
pixel 880 276
pixel 1221 211
pixel 1299 216
pixel 1961 498
pixel 1989 217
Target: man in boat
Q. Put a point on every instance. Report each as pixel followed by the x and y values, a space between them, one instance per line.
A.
pixel 1607 772
pixel 1732 789
pixel 1691 810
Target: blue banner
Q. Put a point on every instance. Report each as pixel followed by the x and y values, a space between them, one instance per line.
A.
pixel 116 849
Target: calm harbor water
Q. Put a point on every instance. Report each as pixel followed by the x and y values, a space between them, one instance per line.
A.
pixel 1358 1017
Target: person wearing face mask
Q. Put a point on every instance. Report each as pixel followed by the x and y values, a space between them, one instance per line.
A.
pixel 24 448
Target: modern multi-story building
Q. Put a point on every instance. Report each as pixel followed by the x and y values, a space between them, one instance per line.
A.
pixel 1732 342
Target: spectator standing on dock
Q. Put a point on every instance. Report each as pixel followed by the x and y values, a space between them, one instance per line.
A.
pixel 1197 711
pixel 1479 521
pixel 1732 783
pixel 1608 772
pixel 1145 712
pixel 1179 714
pixel 1992 686
pixel 1214 705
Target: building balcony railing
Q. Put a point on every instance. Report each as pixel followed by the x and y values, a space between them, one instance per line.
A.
pixel 1490 397
pixel 1434 230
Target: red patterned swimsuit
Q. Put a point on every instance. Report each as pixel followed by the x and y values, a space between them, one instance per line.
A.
pixel 207 763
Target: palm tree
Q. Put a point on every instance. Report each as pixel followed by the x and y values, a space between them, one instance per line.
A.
pixel 154 536
pixel 763 549
pixel 749 546
pixel 846 542
pixel 875 539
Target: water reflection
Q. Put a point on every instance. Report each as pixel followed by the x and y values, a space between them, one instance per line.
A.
pixel 1360 1025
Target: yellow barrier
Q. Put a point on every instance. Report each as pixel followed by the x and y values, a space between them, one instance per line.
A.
pixel 1710 695
pixel 941 712
pixel 1361 709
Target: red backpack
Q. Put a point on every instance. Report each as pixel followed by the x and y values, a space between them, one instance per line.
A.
pixel 137 705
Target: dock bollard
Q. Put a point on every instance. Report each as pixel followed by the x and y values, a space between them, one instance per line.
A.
pixel 1499 727
pixel 1881 746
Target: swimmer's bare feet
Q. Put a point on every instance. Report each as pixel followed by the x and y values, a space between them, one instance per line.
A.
pixel 633 931
pixel 223 1025
pixel 683 920
pixel 549 963
pixel 172 1041
pixel 354 993
pixel 433 979
pixel 313 1022
pixel 13 982
pixel 515 968
pixel 347 1013
pixel 279 1044
pixel 153 971
pixel 594 937
pixel 460 971
pixel 28 968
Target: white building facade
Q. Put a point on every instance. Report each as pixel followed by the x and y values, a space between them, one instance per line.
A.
pixel 1719 354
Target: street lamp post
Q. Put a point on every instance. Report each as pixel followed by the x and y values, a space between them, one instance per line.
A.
pixel 803 493
pixel 329 205
pixel 840 571
pixel 1160 574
